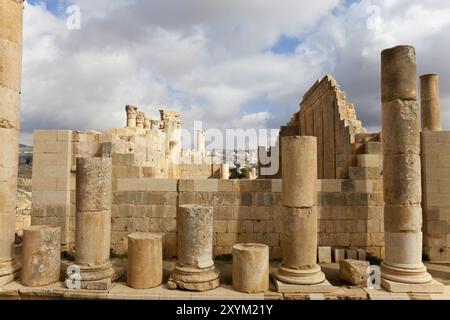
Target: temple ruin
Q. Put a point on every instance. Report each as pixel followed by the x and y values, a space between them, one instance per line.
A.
pixel 117 203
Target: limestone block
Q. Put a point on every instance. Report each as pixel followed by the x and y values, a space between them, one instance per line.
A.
pixel 250 268
pixel 299 167
pixel 145 260
pixel 41 256
pixel 401 127
pixel 339 254
pixel 361 254
pixel 324 254
pixel 362 173
pixel 398 74
pixel 351 254
pixel 404 183
pixel 331 185
pixel 404 248
pixel 372 147
pixel 354 272
pixel 369 160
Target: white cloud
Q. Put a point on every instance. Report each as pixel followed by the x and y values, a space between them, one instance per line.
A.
pixel 210 59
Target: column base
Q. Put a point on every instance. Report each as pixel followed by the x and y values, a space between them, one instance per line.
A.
pixel 310 276
pixel 416 274
pixel 431 287
pixel 91 278
pixel 323 287
pixel 194 279
pixel 9 271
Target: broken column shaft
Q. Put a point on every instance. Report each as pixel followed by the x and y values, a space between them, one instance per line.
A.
pixel 195 269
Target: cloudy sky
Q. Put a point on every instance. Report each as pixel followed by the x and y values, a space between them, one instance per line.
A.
pixel 229 63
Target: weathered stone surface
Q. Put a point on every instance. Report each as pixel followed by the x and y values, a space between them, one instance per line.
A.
pixel 401 129
pixel 299 167
pixel 250 267
pixel 145 268
pixel 41 256
pixel 402 183
pixel 354 272
pixel 398 74
pixel 195 269
pixel 11 13
pixel 430 102
pixel 324 254
pixel 94 184
pixel 299 238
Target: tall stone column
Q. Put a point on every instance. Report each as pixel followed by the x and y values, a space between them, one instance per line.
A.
pixel 430 102
pixel 195 269
pixel 132 112
pixel 299 198
pixel 93 223
pixel 11 20
pixel 402 170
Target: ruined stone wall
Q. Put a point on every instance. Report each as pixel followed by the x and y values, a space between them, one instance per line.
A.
pixel 436 194
pixel 325 114
pixel 350 211
pixel 136 153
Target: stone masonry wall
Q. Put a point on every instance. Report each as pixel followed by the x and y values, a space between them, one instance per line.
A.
pixel 247 211
pixel 436 194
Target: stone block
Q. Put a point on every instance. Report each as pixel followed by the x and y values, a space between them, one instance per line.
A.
pixel 372 147
pixel 331 185
pixel 369 160
pixel 361 254
pixel 324 254
pixel 354 272
pixel 339 254
pixel 351 253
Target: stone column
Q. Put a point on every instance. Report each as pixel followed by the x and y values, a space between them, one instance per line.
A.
pixel 299 197
pixel 41 255
pixel 93 222
pixel 251 267
pixel 225 171
pixel 431 108
pixel 402 169
pixel 195 269
pixel 10 87
pixel 145 260
pixel 131 116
